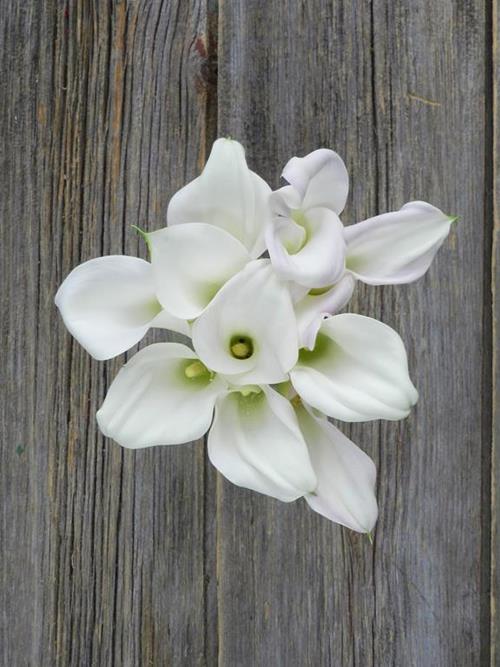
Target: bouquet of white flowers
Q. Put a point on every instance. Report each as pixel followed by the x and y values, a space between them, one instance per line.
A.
pixel 255 279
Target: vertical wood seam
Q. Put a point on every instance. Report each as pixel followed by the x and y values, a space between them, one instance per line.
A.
pixel 487 327
pixel 211 505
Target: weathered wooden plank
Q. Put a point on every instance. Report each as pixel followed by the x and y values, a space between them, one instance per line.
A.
pixel 104 116
pixel 495 288
pixel 399 90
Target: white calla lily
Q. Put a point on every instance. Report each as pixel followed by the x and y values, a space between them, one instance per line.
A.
pixel 255 442
pixel 316 304
pixel 346 475
pixel 307 247
pixel 228 195
pixel 109 303
pixel 190 263
pixel 397 247
pixel 306 238
pixel 357 371
pixel 163 396
pixel 248 332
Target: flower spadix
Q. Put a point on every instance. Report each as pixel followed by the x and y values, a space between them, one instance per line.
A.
pixel 163 396
pixel 109 303
pixel 346 476
pixel 248 332
pixel 255 442
pixel 306 238
pixel 357 371
pixel 227 195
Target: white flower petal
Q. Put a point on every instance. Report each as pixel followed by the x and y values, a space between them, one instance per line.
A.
pixel 152 401
pixel 312 308
pixel 108 304
pixel 284 236
pixel 227 195
pixel 396 247
pixel 321 178
pixel 285 199
pixel 165 320
pixel 358 371
pixel 255 442
pixel 191 262
pixel 319 259
pixel 254 306
pixel 297 292
pixel 346 475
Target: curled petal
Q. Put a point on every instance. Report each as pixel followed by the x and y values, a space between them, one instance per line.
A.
pixel 310 249
pixel 284 200
pixel 162 396
pixel 191 262
pixel 108 304
pixel 346 475
pixel 285 237
pixel 255 442
pixel 358 371
pixel 396 247
pixel 254 310
pixel 312 309
pixel 321 178
pixel 228 195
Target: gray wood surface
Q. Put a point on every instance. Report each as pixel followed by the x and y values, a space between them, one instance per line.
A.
pixel 495 288
pixel 114 557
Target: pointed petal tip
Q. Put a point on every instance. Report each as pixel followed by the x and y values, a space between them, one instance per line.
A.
pixel 228 142
pixel 369 535
pixel 415 398
pixel 453 218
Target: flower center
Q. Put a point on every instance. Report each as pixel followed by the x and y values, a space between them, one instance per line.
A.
pixel 196 370
pixel 241 347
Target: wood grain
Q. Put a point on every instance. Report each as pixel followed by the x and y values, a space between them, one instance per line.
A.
pixel 494 175
pixel 399 90
pixel 147 558
pixel 104 116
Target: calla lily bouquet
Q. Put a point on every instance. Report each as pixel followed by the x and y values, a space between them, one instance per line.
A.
pixel 256 279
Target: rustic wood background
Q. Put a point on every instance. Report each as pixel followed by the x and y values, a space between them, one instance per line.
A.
pixel 148 558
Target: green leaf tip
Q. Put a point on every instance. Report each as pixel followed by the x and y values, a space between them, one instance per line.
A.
pixel 370 537
pixel 143 234
pixel 453 218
